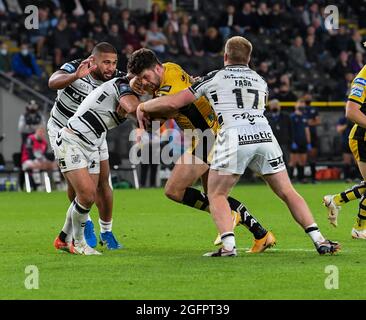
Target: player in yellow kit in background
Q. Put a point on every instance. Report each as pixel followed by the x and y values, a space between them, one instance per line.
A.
pixel 169 78
pixel 356 112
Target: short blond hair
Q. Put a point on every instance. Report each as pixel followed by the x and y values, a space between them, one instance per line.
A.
pixel 238 50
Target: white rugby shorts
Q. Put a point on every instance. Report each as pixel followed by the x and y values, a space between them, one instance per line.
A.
pixel 239 148
pixel 72 153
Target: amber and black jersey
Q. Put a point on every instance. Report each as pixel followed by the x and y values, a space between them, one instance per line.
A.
pixel 197 115
pixel 358 95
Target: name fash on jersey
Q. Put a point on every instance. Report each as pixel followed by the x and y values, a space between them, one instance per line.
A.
pixel 238 95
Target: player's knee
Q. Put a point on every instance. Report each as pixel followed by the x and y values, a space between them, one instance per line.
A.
pixel 87 197
pixel 174 194
pixel 104 186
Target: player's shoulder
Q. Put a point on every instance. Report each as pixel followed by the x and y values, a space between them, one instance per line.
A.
pixel 175 77
pixel 361 77
pixel 257 76
pixel 71 66
pixel 174 72
pixel 172 67
pixel 206 78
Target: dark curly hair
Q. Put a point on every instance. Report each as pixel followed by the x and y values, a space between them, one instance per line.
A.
pixel 140 60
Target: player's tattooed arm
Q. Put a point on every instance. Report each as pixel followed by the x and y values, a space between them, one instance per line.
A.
pixel 62 79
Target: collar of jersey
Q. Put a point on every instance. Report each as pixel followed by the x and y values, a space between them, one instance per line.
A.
pixel 236 65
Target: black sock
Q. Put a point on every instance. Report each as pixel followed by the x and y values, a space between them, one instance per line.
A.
pixel 291 172
pixel 196 199
pixel 300 173
pixel 313 170
pixel 199 200
pixel 62 236
pixel 347 171
pixel 247 219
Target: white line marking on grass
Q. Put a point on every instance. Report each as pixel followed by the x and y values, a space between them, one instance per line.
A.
pixel 284 250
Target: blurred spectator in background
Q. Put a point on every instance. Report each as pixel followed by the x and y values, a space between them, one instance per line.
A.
pixel 313 119
pixel 132 38
pixel 123 58
pixel 106 21
pixel 343 87
pixel 156 40
pixel 280 123
pixel 167 14
pixel 61 40
pixel 297 55
pixel 285 94
pixel 184 41
pixel 311 50
pixel 174 20
pixel 76 35
pixel 228 23
pixel 34 157
pixel 115 38
pixel 262 17
pixel 56 17
pixel 171 38
pixel 95 5
pixel 156 16
pixel 90 24
pixel 31 119
pixel 301 142
pixel 38 36
pixel 339 41
pixel 185 19
pixel 311 14
pixel 98 34
pixel 247 20
pixel 125 20
pixel 344 127
pixel 213 42
pixel 357 63
pixel 197 41
pixel 141 33
pixel 24 64
pixel 355 43
pixel 5 60
pixel 342 66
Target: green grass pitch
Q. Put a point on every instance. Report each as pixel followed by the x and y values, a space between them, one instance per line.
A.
pixel 163 246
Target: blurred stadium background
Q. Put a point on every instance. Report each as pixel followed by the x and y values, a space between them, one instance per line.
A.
pixel 293 51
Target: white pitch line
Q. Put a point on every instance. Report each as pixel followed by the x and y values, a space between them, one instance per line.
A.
pixel 289 250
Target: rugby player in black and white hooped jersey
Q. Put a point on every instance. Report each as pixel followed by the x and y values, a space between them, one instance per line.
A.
pixel 245 139
pixel 74 81
pixel 77 148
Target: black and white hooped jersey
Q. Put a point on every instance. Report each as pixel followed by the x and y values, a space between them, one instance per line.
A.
pixel 97 113
pixel 237 94
pixel 69 98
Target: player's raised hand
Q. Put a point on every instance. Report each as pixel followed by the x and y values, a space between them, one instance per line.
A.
pixel 85 68
pixel 137 86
